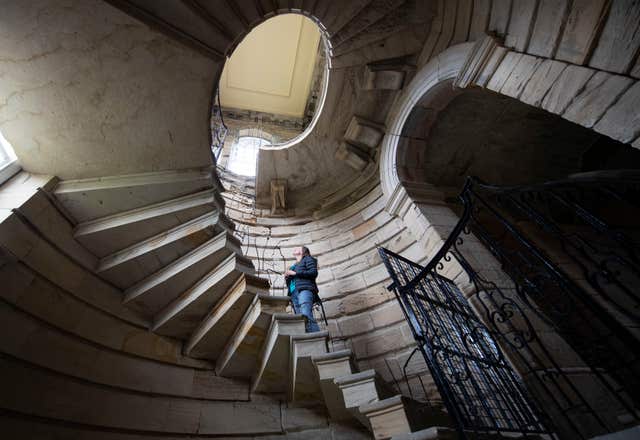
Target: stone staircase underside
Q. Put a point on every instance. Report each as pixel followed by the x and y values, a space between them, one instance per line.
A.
pixel 185 321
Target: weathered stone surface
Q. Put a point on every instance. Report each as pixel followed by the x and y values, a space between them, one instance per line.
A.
pixel 520 75
pixel 127 125
pixel 491 66
pixel 352 156
pixel 622 120
pixel 571 81
pixel 620 38
pixel 541 81
pixel 363 133
pixel 479 19
pixel 581 30
pixel 482 51
pixel 520 24
pixel 384 79
pixel 501 75
pixel 383 341
pixel 599 93
pixel 46 347
pixel 463 20
pixel 500 12
pixel 635 71
pixel 443 27
pixel 42 393
pixel 546 30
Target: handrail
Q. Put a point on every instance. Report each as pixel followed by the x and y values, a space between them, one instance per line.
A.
pixel 568 215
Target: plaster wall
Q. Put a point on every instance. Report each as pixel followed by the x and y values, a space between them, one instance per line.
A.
pixel 87 91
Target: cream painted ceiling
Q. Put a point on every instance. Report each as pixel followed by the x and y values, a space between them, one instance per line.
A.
pixel 272 68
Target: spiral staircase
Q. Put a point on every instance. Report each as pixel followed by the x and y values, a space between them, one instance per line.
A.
pixel 141 279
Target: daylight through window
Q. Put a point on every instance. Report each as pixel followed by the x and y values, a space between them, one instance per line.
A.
pixel 244 155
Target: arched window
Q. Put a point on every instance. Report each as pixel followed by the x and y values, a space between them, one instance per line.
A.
pixel 243 157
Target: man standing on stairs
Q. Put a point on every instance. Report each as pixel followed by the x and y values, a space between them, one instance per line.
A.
pixel 301 284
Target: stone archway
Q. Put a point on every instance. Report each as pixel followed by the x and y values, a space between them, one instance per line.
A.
pixel 604 102
pixel 588 97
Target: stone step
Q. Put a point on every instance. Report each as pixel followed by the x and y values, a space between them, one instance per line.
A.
pixel 399 415
pixel 186 270
pixel 87 308
pixel 41 393
pixel 106 235
pixel 334 364
pixel 184 22
pixel 402 43
pixel 358 388
pixel 336 18
pixel 131 265
pixel 330 366
pixel 375 11
pixel 274 371
pixel 304 384
pixel 205 197
pixel 241 355
pixel 412 13
pixel 39 343
pixel 153 293
pixel 207 220
pixel 89 199
pixel 208 340
pixel 183 315
pixel 386 417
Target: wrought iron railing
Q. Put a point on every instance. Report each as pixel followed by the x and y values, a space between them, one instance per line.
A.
pixel 218 128
pixel 552 274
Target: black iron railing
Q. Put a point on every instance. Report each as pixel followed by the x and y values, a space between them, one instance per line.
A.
pixel 552 274
pixel 218 128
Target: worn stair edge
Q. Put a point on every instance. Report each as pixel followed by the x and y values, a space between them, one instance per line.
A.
pixel 386 408
pixel 333 356
pixel 246 322
pixel 158 240
pixel 173 309
pixel 246 284
pixel 295 354
pixel 146 212
pixel 381 405
pixel 131 180
pixel 310 336
pixel 248 319
pixel 334 364
pixel 354 378
pixel 221 241
pixel 272 335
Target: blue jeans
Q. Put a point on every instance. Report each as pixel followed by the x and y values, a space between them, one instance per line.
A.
pixel 303 303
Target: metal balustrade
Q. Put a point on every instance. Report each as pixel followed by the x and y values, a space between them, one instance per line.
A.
pixel 545 338
pixel 218 128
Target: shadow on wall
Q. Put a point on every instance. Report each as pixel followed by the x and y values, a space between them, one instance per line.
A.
pixel 504 142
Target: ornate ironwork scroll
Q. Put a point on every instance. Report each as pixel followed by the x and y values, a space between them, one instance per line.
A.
pixel 552 272
pixel 479 387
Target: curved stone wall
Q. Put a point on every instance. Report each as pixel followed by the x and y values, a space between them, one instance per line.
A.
pixel 76 362
pixel 362 314
pixel 86 97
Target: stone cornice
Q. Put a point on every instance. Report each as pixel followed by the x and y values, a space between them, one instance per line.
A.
pixel 477 59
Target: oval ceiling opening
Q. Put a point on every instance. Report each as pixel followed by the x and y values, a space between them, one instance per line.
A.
pixel 273 85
